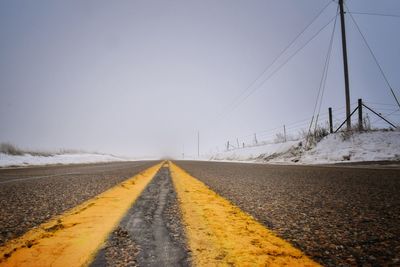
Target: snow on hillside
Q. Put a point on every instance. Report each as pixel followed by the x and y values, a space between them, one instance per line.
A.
pixel 256 153
pixel 27 159
pixel 367 146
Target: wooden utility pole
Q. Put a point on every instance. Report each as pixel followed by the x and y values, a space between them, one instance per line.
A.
pixel 330 120
pixel 198 144
pixel 345 65
pixel 360 115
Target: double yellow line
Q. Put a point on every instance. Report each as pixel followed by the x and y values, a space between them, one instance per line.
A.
pixel 218 233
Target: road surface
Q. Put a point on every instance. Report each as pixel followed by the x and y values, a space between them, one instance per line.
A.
pixel 31 195
pixel 336 215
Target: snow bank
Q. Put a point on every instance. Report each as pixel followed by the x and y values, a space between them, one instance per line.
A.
pixel 368 146
pixel 27 159
pixel 257 153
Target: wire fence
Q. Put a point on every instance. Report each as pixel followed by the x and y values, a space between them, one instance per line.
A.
pixel 298 130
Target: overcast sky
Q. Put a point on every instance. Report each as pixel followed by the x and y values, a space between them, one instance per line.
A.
pixel 140 78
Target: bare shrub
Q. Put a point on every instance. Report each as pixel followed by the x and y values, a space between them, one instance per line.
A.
pixel 10 149
pixel 320 133
pixel 279 138
pixel 314 137
pixel 347 134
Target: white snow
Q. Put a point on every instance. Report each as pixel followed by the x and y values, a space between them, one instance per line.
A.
pixel 255 153
pixel 358 147
pixel 27 159
pixel 368 146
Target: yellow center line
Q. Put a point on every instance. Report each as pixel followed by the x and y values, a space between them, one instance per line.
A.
pixel 220 234
pixel 73 238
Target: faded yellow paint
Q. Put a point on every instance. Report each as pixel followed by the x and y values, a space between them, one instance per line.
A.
pixel 73 238
pixel 220 234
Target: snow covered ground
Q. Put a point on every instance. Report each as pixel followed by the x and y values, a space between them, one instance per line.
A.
pixel 27 159
pixel 368 146
pixel 256 153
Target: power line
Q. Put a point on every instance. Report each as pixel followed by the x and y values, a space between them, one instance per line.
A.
pixel 386 115
pixel 277 57
pixel 375 59
pixel 322 85
pixel 374 14
pixel 283 64
pixel 381 104
pixel 327 65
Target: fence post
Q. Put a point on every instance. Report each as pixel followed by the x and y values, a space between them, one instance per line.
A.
pixel 360 116
pixel 330 121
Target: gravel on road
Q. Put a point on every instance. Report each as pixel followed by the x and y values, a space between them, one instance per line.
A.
pixel 340 216
pixel 31 196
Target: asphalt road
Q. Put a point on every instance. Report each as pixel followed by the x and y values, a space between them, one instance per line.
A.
pixel 30 196
pixel 338 215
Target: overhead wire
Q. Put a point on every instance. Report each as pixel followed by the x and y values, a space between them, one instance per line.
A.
pixel 283 64
pixel 254 82
pixel 323 80
pixel 326 69
pixel 374 57
pixel 258 82
pixel 380 104
pixel 386 115
pixel 327 66
pixel 387 112
pixel 374 14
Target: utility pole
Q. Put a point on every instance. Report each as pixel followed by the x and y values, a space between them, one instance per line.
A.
pixel 345 66
pixel 330 120
pixel 198 144
pixel 284 132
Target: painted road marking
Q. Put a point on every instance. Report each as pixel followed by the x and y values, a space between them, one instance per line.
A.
pixel 73 238
pixel 220 234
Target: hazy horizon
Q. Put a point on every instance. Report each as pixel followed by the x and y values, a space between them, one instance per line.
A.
pixel 142 78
